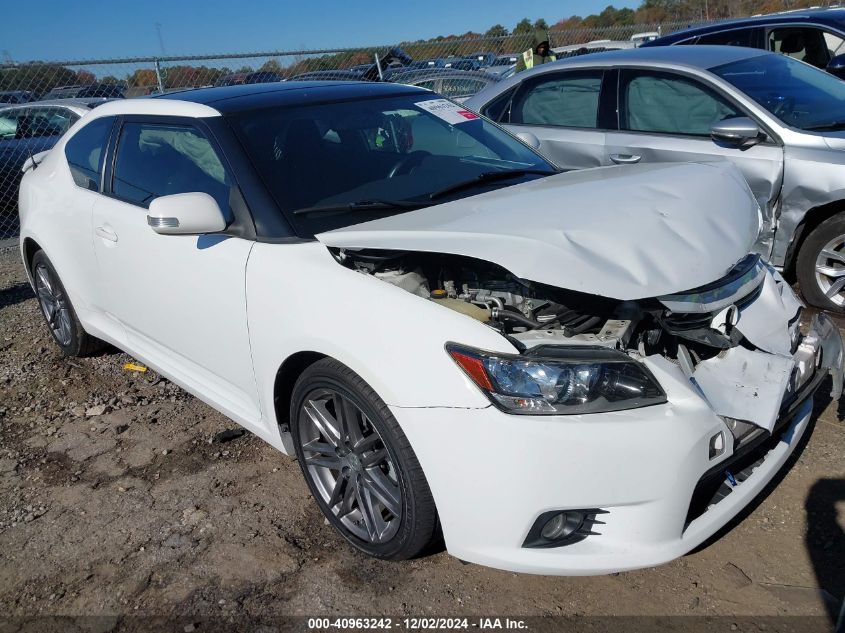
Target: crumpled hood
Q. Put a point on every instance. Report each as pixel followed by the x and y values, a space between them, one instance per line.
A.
pixel 627 232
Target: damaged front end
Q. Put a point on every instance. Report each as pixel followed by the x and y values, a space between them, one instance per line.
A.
pixel 765 360
pixel 740 342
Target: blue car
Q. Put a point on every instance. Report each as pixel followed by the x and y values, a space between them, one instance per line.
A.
pixel 815 36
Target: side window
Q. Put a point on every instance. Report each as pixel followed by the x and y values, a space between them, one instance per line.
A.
pixel 835 44
pixel 499 109
pixel 85 152
pixel 559 99
pixel 8 123
pixel 669 104
pixel 734 37
pixel 42 122
pixel 61 119
pixel 461 87
pixel 807 44
pixel 158 160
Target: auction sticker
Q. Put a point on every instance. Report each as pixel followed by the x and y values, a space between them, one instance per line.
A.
pixel 447 110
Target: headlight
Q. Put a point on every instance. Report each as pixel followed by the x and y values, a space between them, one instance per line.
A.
pixel 554 380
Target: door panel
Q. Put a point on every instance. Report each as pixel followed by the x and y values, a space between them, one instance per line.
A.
pixel 561 109
pixel 567 148
pixel 180 298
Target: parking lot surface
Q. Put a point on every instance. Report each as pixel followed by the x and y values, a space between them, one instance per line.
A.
pixel 116 499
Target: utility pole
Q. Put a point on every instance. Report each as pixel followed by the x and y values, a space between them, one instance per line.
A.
pixel 160 39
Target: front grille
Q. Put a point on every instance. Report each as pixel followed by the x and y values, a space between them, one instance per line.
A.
pixel 680 321
pixel 712 488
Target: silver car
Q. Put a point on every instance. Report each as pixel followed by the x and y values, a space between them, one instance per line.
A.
pixel 781 121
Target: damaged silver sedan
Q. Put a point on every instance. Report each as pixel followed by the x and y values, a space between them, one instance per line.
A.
pixel 781 121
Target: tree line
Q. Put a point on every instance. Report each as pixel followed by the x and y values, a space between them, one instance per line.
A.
pixel 41 77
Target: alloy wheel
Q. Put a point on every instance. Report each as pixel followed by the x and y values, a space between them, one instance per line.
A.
pixel 350 465
pixel 54 305
pixel 830 270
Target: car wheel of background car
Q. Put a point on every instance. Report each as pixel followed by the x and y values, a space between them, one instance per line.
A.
pixel 821 265
pixel 55 305
pixel 359 465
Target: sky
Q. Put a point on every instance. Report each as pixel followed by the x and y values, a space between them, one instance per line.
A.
pixel 97 29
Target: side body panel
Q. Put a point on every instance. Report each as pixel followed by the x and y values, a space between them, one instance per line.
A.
pixel 61 226
pixel 568 148
pixel 181 301
pixel 814 176
pixel 300 299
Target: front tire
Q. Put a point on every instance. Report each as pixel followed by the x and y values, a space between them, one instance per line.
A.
pixel 359 465
pixel 58 311
pixel 820 267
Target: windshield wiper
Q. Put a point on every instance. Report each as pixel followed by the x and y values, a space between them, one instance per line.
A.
pixel 830 127
pixel 362 205
pixel 487 177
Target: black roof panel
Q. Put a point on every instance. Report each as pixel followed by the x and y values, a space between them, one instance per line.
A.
pixel 228 99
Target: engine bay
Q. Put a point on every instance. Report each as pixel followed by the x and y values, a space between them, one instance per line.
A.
pixel 737 341
pixel 532 314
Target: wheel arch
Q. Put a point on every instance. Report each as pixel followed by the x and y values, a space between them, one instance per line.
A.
pixel 286 376
pixel 30 247
pixel 812 219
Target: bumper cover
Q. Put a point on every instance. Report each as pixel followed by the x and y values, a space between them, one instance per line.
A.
pixel 492 474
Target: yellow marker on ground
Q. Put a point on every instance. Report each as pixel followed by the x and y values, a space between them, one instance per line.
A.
pixel 134 367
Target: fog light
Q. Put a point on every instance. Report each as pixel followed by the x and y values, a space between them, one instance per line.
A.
pixel 717 445
pixel 562 527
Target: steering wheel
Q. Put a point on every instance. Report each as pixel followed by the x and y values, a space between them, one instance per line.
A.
pixel 405 164
pixel 782 107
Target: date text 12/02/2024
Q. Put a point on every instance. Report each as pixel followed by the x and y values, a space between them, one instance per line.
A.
pixel 416 624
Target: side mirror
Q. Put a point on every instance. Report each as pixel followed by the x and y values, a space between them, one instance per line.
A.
pixel 836 66
pixel 736 131
pixel 186 214
pixel 529 139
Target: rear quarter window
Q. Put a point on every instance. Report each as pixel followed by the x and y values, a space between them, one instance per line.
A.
pixel 85 152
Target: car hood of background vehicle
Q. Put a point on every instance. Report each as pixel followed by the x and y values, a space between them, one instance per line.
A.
pixel 626 232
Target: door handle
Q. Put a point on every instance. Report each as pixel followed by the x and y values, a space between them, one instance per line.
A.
pixel 625 159
pixel 106 234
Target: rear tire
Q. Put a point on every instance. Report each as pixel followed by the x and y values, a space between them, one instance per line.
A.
pixel 58 311
pixel 350 448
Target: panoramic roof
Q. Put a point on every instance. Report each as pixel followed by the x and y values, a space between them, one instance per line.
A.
pixel 228 99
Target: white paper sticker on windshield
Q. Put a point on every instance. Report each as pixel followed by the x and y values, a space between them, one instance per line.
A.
pixel 448 111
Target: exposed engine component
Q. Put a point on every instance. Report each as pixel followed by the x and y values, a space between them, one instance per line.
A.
pixel 490 294
pixel 686 328
pixel 718 336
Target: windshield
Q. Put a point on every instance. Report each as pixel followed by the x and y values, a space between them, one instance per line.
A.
pixel 337 164
pixel 796 93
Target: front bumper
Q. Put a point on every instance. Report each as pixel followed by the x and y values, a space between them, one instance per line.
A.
pixel 492 474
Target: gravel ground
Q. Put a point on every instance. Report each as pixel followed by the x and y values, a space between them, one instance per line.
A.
pixel 115 499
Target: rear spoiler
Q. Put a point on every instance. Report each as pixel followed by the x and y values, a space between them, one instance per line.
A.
pixel 34 160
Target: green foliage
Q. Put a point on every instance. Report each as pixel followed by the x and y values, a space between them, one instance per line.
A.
pixel 523 27
pixel 36 77
pixel 497 30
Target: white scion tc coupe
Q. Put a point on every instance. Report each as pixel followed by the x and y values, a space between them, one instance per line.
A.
pixel 565 373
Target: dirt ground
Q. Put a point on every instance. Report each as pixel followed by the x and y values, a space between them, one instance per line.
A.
pixel 115 500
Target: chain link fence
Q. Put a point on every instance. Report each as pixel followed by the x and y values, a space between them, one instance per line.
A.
pixel 39 101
